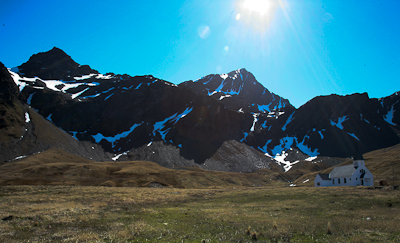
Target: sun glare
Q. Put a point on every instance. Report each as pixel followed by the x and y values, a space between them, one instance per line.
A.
pixel 257 14
pixel 259 6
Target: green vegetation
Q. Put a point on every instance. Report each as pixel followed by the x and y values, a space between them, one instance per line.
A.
pixel 242 214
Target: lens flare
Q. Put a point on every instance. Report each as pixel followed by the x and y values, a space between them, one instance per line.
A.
pixel 238 16
pixel 204 32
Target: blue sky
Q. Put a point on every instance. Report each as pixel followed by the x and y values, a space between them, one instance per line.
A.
pixel 297 49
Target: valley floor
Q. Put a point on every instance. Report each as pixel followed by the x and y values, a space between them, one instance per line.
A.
pixel 265 214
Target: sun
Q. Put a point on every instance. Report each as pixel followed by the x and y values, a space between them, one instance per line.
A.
pixel 259 6
pixel 257 14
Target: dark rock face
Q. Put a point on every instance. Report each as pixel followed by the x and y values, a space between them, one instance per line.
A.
pixel 53 65
pixel 355 121
pixel 221 122
pixel 333 125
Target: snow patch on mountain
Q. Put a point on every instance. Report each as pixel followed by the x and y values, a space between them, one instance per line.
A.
pixel 224 82
pixel 74 134
pixel 29 100
pixel 137 87
pixel 85 77
pixel 20 157
pixel 245 134
pixel 233 92
pixel 27 118
pixel 116 157
pixel 56 85
pixel 265 147
pixel 354 136
pixel 18 80
pixel 102 76
pixel 224 96
pixel 285 143
pixel 264 108
pixel 160 126
pixel 224 76
pixel 112 139
pixel 49 118
pixel 320 133
pixel 170 84
pixel 93 75
pixel 95 95
pixel 229 92
pixel 109 96
pixel 389 115
pixel 275 114
pixel 288 121
pixel 287 165
pixel 211 93
pixel 255 115
pixel 90 96
pixel 264 125
pixel 125 88
pixel 305 149
pixel 339 122
pixel 79 93
pixel 206 82
pixel 311 158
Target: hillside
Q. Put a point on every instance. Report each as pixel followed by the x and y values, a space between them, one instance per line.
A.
pixel 58 167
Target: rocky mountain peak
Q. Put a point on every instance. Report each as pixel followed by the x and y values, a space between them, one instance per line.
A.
pixel 239 91
pixel 53 65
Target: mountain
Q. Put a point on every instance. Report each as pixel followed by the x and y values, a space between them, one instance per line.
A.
pixel 24 132
pixel 53 65
pixel 239 91
pixel 127 115
pixel 226 122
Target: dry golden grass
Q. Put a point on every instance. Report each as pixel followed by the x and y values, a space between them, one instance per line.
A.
pixel 112 202
pixel 123 214
pixel 57 167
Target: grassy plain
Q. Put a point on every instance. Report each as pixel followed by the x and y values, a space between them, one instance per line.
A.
pixel 241 214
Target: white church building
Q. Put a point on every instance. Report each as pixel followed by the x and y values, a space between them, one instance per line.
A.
pixel 348 175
